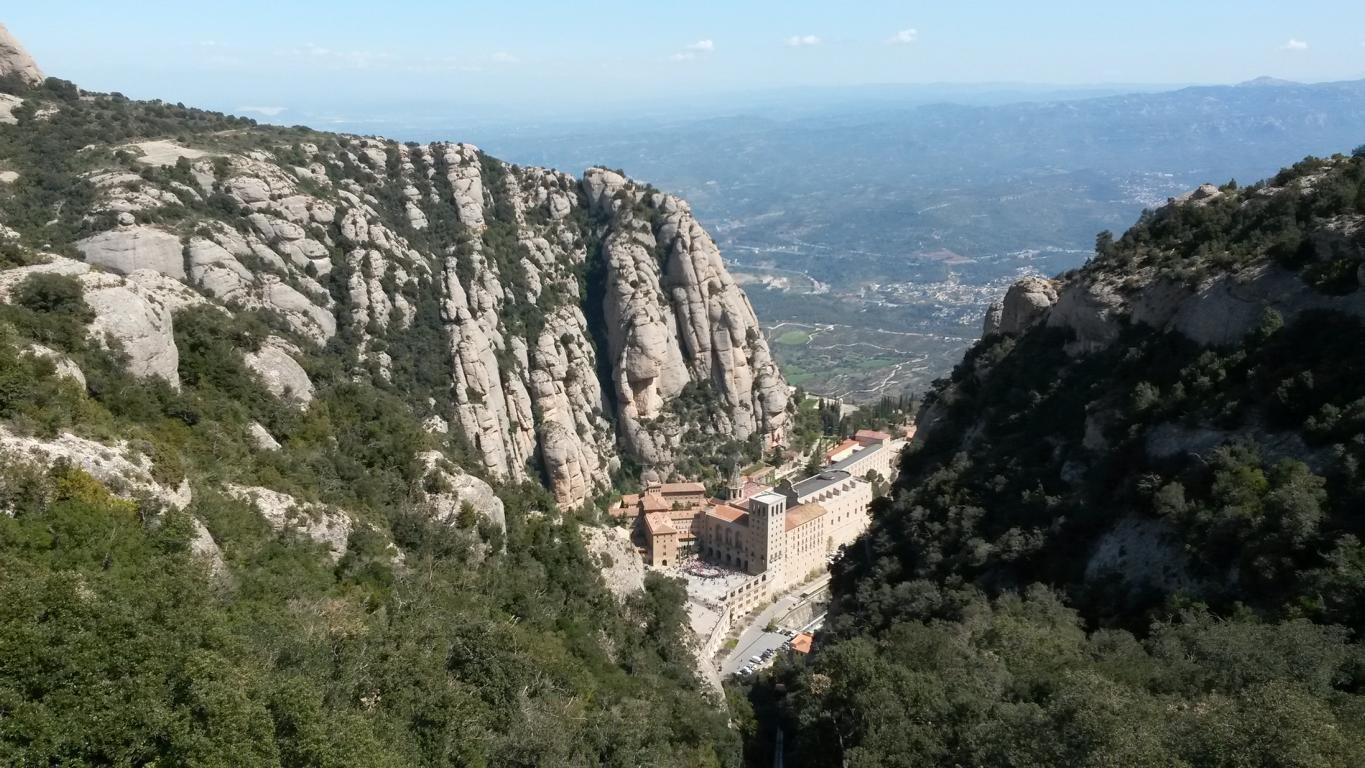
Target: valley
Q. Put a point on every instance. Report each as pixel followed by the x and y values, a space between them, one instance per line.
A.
pixel 895 226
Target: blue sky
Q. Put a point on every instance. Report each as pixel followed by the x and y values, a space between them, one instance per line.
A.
pixel 285 54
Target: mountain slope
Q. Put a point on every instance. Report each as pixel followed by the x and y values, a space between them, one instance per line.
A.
pixel 491 291
pixel 1131 530
pixel 275 411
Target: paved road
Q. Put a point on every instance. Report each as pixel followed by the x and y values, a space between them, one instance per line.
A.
pixel 754 640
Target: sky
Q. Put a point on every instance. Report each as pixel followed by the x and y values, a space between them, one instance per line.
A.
pixel 271 59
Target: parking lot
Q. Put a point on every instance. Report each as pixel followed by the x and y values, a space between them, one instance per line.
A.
pixel 755 640
pixel 762 646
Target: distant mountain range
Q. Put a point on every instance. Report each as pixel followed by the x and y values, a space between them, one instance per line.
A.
pixel 912 216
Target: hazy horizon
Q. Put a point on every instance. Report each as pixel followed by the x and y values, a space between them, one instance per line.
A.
pixel 342 62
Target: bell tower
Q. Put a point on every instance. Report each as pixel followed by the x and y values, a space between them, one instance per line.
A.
pixel 768 516
pixel 735 490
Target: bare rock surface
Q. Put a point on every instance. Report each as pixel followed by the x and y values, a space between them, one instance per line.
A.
pixel 282 374
pixel 15 61
pixel 325 525
pixel 1144 553
pixel 65 367
pixel 120 468
pixel 448 489
pixel 1025 302
pixel 262 438
pixel 620 563
pixel 126 249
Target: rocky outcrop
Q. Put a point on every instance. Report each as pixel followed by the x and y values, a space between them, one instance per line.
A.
pixel 1024 303
pixel 617 559
pixel 526 274
pixel 126 249
pixel 15 61
pixel 123 470
pixel 446 490
pixel 675 316
pixel 261 438
pixel 325 525
pixel 274 362
pixel 137 312
pixel 61 364
pixel 1144 554
pixel 207 550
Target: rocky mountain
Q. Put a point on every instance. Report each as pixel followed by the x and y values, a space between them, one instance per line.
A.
pixel 300 435
pixel 15 63
pixel 565 315
pixel 1129 530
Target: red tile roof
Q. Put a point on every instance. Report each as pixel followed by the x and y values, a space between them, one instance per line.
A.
pixel 840 448
pixel 658 523
pixel 801 643
pixel 727 513
pixel 800 515
pixel 871 435
pixel 682 488
pixel 653 502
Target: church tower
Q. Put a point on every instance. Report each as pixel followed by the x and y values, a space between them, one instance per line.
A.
pixel 768 526
pixel 735 490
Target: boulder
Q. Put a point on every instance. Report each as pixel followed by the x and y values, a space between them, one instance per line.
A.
pixel 456 488
pixel 126 249
pixel 262 438
pixel 282 374
pixel 15 61
pixel 1024 304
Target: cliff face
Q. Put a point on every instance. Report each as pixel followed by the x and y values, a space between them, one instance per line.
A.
pixel 547 324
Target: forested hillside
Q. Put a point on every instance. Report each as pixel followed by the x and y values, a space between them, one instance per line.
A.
pixel 251 510
pixel 1131 533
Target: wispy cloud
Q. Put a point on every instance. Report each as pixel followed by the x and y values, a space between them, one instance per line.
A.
pixel 802 41
pixel 904 37
pixel 342 59
pixel 503 57
pixel 693 50
pixel 1295 44
pixel 267 111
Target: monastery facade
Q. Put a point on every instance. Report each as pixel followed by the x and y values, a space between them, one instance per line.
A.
pixel 780 536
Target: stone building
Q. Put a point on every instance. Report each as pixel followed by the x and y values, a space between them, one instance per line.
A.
pixel 667 514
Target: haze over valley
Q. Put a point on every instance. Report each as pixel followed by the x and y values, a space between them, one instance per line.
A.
pixel 872 231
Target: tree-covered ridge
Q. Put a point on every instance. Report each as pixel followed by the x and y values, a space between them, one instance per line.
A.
pixel 434 640
pixel 121 646
pixel 1150 554
pixel 1303 219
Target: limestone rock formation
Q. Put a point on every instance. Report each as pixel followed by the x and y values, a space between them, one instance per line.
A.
pixel 282 374
pixel 447 489
pixel 1024 302
pixel 568 315
pixel 126 249
pixel 325 525
pixel 15 61
pixel 621 566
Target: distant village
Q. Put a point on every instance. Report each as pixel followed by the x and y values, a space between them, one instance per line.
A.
pixel 768 534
